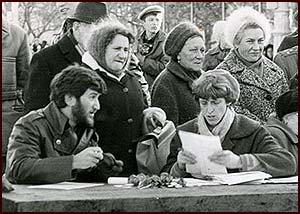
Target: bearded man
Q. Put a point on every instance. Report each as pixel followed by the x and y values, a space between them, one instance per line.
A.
pixel 58 143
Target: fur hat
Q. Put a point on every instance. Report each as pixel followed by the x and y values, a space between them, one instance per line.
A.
pixel 217 83
pixel 101 37
pixel 89 12
pixel 287 103
pixel 242 16
pixel 178 36
pixel 150 10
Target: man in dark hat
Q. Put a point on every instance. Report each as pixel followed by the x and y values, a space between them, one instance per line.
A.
pixel 69 49
pixel 149 50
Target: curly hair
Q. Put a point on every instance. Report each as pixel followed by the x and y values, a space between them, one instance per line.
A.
pixel 215 84
pixel 102 36
pixel 242 19
pixel 75 80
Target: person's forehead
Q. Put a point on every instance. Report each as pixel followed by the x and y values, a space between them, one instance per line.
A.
pixel 153 15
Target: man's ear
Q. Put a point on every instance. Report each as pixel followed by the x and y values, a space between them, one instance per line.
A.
pixel 70 100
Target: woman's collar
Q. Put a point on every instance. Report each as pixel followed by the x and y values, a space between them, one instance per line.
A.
pixel 89 60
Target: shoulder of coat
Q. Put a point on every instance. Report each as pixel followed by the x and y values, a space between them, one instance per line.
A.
pixel 35 115
pixel 289 52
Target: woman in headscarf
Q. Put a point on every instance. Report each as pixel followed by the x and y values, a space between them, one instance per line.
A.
pixel 123 112
pixel 172 88
pixel 247 145
pixel 261 80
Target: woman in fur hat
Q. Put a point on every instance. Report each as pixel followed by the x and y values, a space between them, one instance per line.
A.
pixel 123 112
pixel 247 145
pixel 261 80
pixel 284 125
pixel 172 88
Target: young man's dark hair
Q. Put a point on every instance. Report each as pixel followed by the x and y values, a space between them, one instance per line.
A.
pixel 74 82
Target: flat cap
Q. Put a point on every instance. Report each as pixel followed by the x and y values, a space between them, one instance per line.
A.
pixel 150 9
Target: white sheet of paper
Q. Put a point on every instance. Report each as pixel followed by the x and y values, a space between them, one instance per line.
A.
pixel 66 185
pixel 255 177
pixel 202 146
pixel 287 180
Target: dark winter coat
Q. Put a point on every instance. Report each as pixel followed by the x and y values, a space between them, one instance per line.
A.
pixel 44 65
pixel 119 120
pixel 289 41
pixel 287 60
pixel 245 136
pixel 172 92
pixel 155 61
pixel 284 136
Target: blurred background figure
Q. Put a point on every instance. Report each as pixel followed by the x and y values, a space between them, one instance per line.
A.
pixel 268 51
pixel 149 48
pixel 69 49
pixel 284 126
pixel 66 9
pixel 219 47
pixel 15 66
pixel 172 90
pixel 261 80
pixel 287 60
pixel 290 40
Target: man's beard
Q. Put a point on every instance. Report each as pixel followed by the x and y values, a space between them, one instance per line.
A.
pixel 81 116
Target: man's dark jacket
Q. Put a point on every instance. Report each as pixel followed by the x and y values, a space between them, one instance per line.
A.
pixel 43 67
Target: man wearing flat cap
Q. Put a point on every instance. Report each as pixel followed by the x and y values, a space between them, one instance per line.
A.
pixel 69 49
pixel 149 50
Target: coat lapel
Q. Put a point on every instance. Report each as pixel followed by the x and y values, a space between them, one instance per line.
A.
pixel 68 50
pixel 245 75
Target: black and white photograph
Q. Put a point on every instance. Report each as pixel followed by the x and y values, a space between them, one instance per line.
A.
pixel 150 107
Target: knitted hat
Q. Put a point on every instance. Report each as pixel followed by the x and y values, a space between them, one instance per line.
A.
pixel 241 17
pixel 153 9
pixel 217 83
pixel 287 103
pixel 89 12
pixel 178 36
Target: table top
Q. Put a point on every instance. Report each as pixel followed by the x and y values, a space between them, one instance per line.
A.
pixel 262 197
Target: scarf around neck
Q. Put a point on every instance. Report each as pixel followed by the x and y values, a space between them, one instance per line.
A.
pixel 220 129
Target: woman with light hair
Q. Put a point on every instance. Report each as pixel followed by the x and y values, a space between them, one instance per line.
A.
pixel 261 80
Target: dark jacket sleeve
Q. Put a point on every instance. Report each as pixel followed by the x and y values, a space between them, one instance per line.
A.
pixel 37 90
pixel 273 159
pixel 24 162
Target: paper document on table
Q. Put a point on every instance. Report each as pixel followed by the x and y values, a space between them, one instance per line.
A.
pixel 202 147
pixel 287 180
pixel 66 185
pixel 242 177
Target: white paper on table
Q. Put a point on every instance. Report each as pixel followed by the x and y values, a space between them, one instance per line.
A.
pixel 202 147
pixel 287 180
pixel 254 177
pixel 66 185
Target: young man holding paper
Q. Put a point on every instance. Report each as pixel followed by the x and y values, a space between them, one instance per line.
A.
pixel 247 145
